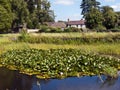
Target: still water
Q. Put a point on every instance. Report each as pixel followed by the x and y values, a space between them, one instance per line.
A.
pixel 13 80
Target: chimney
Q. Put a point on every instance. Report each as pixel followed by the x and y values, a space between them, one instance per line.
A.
pixel 68 19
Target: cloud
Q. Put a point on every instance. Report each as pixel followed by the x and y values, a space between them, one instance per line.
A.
pixel 110 0
pixel 116 7
pixel 64 2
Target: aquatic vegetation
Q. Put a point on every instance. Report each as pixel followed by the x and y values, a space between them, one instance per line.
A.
pixel 59 62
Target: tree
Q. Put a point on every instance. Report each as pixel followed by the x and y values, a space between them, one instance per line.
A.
pixel 118 19
pixel 30 5
pixel 39 12
pixel 20 11
pixel 93 18
pixel 44 13
pixel 6 16
pixel 110 17
pixel 86 5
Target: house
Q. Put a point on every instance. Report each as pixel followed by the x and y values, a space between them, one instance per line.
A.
pixel 63 25
pixel 77 23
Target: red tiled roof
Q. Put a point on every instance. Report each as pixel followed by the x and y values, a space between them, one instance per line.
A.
pixel 80 22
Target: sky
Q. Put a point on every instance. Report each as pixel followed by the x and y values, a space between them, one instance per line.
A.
pixel 65 9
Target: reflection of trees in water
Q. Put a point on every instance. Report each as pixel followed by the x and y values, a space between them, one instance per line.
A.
pixel 6 78
pixel 12 80
pixel 109 81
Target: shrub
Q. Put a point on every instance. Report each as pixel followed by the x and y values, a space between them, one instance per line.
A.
pixel 101 28
pixel 72 29
pixel 44 28
pixel 24 36
pixel 117 29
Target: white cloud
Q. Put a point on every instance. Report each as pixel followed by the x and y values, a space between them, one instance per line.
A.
pixel 116 7
pixel 64 2
pixel 110 0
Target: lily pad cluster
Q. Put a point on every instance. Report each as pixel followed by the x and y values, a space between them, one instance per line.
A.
pixel 59 62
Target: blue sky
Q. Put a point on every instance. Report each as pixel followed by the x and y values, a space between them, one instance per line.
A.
pixel 65 9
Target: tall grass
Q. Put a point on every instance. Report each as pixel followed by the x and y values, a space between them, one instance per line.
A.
pixel 7 43
pixel 75 38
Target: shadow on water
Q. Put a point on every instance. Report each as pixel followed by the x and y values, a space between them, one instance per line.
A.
pixel 13 80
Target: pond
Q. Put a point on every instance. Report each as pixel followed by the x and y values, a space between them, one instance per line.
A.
pixel 13 80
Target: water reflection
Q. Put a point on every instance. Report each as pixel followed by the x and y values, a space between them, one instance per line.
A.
pixel 13 80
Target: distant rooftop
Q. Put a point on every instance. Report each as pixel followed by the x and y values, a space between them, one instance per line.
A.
pixel 56 24
pixel 77 22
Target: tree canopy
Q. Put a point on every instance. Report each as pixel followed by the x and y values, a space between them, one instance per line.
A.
pixel 14 13
pixel 97 16
pixel 93 18
pixel 6 16
pixel 86 5
pixel 110 17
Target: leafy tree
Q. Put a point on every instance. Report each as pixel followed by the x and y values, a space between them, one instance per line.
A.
pixel 44 13
pixel 39 12
pixel 33 22
pixel 118 19
pixel 30 5
pixel 86 5
pixel 110 17
pixel 21 13
pixel 93 18
pixel 6 16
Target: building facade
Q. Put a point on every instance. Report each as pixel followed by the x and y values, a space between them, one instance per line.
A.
pixel 76 24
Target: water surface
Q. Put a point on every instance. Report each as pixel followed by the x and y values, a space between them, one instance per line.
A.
pixel 13 80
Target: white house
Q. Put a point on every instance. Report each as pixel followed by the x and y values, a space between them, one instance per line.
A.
pixel 77 23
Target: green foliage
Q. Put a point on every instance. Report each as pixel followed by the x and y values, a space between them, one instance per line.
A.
pixel 100 28
pixel 72 29
pixel 86 5
pixel 20 12
pixel 39 12
pixel 110 17
pixel 93 18
pixel 6 16
pixel 118 19
pixel 25 12
pixel 59 62
pixel 47 29
pixel 24 36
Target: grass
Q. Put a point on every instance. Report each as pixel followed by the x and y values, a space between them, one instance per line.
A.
pixel 6 43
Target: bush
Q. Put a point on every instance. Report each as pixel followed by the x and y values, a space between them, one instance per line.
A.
pixel 117 29
pixel 44 28
pixel 101 28
pixel 24 36
pixel 72 29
